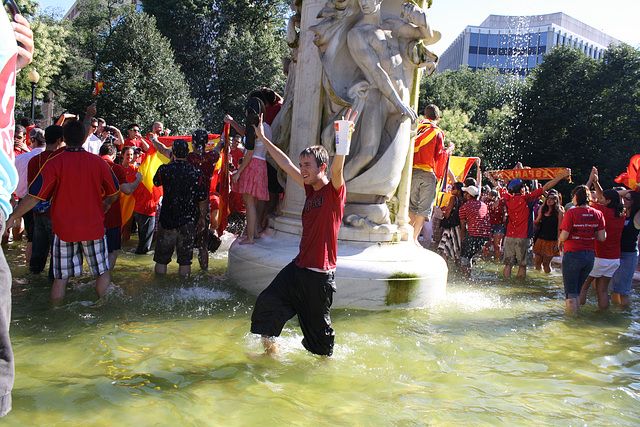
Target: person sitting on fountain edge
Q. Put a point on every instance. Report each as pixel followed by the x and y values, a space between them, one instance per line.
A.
pixel 305 287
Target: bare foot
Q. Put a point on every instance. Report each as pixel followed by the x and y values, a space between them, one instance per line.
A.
pixel 246 242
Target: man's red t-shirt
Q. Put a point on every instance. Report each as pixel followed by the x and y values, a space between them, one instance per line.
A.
pixel 113 217
pixel 476 214
pixel 582 224
pixel 321 218
pixel 610 248
pixel 206 163
pixel 519 212
pixel 76 181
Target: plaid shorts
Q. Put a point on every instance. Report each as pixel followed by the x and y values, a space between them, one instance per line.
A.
pixel 67 257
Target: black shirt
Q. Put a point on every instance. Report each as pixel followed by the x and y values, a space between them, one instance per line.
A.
pixel 184 188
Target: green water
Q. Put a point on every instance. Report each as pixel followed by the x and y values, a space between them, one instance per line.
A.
pixel 165 351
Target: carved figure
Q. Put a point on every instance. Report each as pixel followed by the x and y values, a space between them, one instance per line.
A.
pixel 368 67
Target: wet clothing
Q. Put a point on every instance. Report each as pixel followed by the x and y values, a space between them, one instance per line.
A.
pixel 475 213
pixel 304 292
pixel 298 288
pixel 67 257
pixel 113 217
pixel 181 239
pixel 184 188
pixel 548 227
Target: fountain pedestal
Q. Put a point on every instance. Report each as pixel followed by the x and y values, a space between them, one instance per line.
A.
pixel 369 275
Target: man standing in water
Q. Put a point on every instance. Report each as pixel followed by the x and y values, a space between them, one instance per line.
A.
pixel 305 287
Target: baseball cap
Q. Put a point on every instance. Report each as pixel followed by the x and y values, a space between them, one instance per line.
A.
pixel 514 182
pixel 37 133
pixel 473 190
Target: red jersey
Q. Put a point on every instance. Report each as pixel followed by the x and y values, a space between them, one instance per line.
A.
pixel 34 166
pixel 496 212
pixel 610 248
pixel 271 111
pixel 476 214
pixel 76 181
pixel 321 219
pixel 113 217
pixel 519 211
pixel 236 154
pixel 128 142
pixel 206 163
pixel 582 224
pixel 429 153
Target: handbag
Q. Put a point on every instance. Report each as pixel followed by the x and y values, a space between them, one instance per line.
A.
pixel 452 221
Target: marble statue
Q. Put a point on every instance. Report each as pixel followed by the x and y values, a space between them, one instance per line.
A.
pixel 368 65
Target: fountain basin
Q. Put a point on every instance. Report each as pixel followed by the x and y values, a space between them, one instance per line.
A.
pixel 369 275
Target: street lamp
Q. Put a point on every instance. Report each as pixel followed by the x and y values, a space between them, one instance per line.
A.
pixel 33 77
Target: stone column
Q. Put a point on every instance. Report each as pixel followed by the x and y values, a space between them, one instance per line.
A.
pixel 307 113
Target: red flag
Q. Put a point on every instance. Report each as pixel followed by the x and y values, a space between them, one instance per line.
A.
pixel 224 184
pixel 630 177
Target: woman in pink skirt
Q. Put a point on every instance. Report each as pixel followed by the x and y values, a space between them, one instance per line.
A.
pixel 251 178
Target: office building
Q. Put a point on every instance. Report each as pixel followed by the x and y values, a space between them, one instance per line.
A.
pixel 516 44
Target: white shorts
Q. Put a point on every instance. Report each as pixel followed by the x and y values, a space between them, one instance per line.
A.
pixel 603 267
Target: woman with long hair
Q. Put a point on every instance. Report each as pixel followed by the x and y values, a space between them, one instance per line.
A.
pixel 547 228
pixel 581 227
pixel 607 258
pixel 622 278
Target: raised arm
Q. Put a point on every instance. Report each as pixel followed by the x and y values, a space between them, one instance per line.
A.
pixel 550 184
pixel 162 149
pixel 237 126
pixel 337 168
pixel 594 178
pixel 130 187
pixel 282 159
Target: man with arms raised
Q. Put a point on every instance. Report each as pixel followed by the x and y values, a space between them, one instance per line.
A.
pixel 305 287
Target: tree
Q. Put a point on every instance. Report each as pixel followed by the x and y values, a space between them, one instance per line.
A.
pixel 226 48
pixel 49 55
pixel 142 82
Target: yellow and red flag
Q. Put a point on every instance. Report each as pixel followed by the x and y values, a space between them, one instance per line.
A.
pixel 460 167
pixel 630 178
pixel 224 184
pixel 97 87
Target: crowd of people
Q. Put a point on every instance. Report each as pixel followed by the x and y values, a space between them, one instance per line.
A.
pixel 596 232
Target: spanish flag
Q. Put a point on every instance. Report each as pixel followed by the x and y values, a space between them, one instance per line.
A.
pixel 630 178
pixel 97 87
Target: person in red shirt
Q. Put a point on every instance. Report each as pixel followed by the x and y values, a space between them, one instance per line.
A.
pixel 607 258
pixel 475 227
pixel 113 217
pixel 20 141
pixel 42 232
pixel 135 139
pixel 76 181
pixel 580 228
pixel 517 241
pixel 305 287
pixel 497 216
pixel 429 164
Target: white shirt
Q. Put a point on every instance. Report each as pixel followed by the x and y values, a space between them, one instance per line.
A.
pixel 22 164
pixel 92 144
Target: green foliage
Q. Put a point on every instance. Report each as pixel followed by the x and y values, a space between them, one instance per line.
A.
pixel 580 112
pixel 478 112
pixel 142 82
pixel 226 48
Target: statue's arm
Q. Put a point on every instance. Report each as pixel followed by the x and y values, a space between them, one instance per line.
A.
pixel 418 27
pixel 367 59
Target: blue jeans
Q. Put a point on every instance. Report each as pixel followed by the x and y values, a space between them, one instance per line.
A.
pixel 42 241
pixel 622 278
pixel 576 267
pixel 146 224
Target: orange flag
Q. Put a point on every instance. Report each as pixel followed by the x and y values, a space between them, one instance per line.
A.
pixel 97 88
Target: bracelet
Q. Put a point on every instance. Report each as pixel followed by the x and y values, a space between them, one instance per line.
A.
pixel 84 121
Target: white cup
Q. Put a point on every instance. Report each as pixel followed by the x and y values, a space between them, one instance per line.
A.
pixel 344 130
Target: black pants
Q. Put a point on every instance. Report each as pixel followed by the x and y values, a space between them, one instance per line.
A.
pixel 300 291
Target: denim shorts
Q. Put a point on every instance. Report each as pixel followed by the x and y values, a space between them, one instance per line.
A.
pixel 576 267
pixel 497 229
pixel 622 278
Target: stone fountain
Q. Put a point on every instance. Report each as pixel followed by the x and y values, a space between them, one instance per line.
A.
pixel 364 55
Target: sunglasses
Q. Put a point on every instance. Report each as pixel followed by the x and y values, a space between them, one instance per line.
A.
pixel 629 199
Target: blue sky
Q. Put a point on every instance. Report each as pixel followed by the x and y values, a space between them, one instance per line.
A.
pixel 618 18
